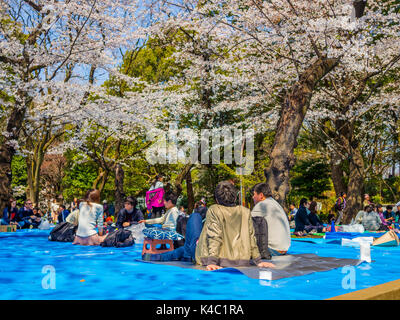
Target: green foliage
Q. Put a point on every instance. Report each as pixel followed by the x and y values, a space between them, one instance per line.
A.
pixel 78 177
pixel 19 178
pixel 310 178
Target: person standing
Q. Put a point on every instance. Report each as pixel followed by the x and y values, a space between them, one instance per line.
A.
pixel 154 197
pixel 367 200
pixel 340 206
pixel 54 210
pixel 74 205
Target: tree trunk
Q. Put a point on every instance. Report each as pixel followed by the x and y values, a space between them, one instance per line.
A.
pixel 352 151
pixel 294 108
pixel 337 173
pixel 190 194
pixel 355 187
pixel 7 150
pixel 179 179
pixel 119 188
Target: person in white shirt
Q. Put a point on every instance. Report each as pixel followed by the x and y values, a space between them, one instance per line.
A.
pixel 169 219
pixel 157 183
pixel 278 224
pixel 90 216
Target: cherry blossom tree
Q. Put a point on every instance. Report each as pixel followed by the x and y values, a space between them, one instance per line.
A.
pixel 262 61
pixel 51 54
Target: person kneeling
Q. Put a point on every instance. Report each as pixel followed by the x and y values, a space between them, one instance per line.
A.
pixel 90 215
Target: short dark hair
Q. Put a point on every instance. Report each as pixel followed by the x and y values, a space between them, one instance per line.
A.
pixel 378 206
pixel 62 206
pixel 263 188
pixel 226 194
pixel 389 207
pixel 342 193
pixel 303 201
pixel 131 200
pixel 170 195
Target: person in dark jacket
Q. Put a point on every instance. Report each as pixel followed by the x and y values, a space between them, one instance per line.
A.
pixel 25 215
pixel 63 214
pixel 9 213
pixel 129 214
pixel 312 216
pixel 200 207
pixel 302 220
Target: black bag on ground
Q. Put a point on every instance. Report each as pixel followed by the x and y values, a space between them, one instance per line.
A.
pixel 261 233
pixel 63 232
pixel 181 223
pixel 119 238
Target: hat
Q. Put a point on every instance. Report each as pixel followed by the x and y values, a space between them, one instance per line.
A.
pixel 398 204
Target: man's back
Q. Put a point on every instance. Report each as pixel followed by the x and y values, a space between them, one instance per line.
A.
pixel 278 225
pixel 227 238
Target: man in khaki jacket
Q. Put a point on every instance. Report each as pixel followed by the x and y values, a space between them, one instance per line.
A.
pixel 227 238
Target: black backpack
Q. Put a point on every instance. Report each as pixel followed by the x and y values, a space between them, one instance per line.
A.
pixel 63 232
pixel 181 223
pixel 261 233
pixel 119 238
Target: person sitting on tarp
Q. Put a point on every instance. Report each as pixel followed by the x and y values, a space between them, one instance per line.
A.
pixel 73 217
pixel 302 221
pixel 25 214
pixel 389 215
pixel 313 216
pixel 384 223
pixel 9 213
pixel 90 216
pixel 369 219
pixel 129 214
pixel 277 221
pixel 187 251
pixel 63 214
pixel 169 219
pixel 228 237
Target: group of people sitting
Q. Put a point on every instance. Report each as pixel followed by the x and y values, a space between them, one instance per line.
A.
pixel 305 218
pixel 226 237
pixel 222 235
pixel 372 217
pixel 25 217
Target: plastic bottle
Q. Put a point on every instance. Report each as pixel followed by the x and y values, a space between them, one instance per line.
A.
pixel 365 251
pixel 333 226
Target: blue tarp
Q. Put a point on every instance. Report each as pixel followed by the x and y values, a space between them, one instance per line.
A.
pixel 351 235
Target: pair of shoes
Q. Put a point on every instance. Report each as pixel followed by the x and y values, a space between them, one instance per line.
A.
pixel 151 257
pixel 146 256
